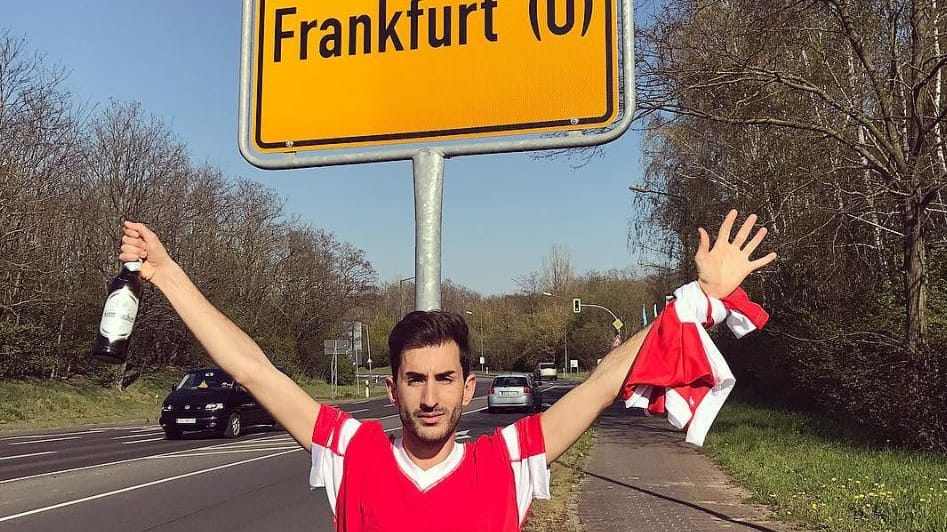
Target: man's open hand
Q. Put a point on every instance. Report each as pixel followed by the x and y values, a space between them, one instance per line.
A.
pixel 723 268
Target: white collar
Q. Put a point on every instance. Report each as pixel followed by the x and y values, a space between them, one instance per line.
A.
pixel 425 480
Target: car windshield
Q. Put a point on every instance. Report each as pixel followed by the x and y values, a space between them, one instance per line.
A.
pixel 509 381
pixel 197 380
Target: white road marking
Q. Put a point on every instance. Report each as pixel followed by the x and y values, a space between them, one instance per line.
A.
pixel 147 429
pixel 139 486
pixel 45 435
pixel 141 441
pixel 252 441
pixel 255 445
pixel 2 458
pixel 361 402
pixel 135 436
pixel 83 468
pixel 45 441
pixel 357 411
pixel 235 451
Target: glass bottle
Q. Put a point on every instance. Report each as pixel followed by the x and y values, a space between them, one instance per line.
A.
pixel 118 316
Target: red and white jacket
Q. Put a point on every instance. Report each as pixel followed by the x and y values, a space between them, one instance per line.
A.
pixel 679 370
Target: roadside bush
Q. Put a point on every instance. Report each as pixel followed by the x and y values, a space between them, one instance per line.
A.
pixel 346 372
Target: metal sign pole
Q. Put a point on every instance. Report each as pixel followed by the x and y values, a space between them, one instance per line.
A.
pixel 428 203
pixel 598 55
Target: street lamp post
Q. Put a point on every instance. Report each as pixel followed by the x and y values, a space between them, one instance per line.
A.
pixel 368 342
pixel 401 293
pixel 481 337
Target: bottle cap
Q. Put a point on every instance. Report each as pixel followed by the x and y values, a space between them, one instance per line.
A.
pixel 134 266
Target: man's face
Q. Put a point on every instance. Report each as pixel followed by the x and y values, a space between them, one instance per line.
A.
pixel 430 392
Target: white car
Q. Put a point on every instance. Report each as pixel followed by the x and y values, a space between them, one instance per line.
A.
pixel 546 371
pixel 514 390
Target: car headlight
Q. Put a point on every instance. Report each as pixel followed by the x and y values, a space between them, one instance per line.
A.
pixel 166 408
pixel 214 407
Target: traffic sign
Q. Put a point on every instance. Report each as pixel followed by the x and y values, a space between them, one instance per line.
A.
pixel 337 347
pixel 330 74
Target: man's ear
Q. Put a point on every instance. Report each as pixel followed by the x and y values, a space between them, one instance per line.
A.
pixel 392 391
pixel 470 386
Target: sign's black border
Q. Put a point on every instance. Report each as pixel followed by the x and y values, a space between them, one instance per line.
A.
pixel 417 135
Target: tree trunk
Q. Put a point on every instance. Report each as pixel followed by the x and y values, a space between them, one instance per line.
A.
pixel 915 276
pixel 120 378
pixel 62 324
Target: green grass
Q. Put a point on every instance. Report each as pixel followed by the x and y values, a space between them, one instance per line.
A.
pixel 321 390
pixel 34 403
pixel 822 474
pixel 384 370
pixel 560 513
pixel 39 404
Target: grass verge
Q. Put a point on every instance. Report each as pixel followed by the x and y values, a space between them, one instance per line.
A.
pixel 560 513
pixel 41 404
pixel 820 474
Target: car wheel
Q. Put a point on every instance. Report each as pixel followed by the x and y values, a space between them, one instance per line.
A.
pixel 172 434
pixel 233 426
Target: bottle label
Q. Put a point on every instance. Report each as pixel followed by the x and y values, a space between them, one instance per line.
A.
pixel 118 316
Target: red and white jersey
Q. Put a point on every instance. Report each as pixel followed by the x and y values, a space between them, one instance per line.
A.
pixel 679 370
pixel 372 484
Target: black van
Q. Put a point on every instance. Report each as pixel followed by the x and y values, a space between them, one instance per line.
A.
pixel 209 399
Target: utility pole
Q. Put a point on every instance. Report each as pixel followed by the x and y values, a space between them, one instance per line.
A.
pixel 481 336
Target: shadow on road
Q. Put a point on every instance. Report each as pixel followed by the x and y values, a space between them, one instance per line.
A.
pixel 648 451
pixel 718 515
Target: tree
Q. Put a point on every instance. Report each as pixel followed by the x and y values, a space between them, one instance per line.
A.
pixel 558 271
pixel 826 118
pixel 866 77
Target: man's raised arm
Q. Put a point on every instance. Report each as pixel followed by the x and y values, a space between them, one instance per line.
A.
pixel 720 271
pixel 229 347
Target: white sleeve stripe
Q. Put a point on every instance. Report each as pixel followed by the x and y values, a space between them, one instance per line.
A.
pixel 327 466
pixel 346 433
pixel 512 442
pixel 640 397
pixel 678 411
pixel 530 474
pixel 540 477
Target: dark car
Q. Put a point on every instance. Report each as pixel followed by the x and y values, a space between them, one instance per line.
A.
pixel 210 400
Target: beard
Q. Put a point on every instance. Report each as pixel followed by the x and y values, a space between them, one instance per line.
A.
pixel 426 434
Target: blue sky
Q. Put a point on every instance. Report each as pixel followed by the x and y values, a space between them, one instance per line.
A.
pixel 502 213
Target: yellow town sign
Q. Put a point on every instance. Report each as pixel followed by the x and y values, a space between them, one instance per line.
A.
pixel 336 74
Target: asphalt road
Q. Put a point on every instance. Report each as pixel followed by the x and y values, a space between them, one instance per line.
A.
pixel 132 479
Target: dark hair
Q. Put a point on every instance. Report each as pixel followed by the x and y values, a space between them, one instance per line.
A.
pixel 427 329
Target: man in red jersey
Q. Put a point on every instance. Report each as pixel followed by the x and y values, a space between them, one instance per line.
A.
pixel 425 480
